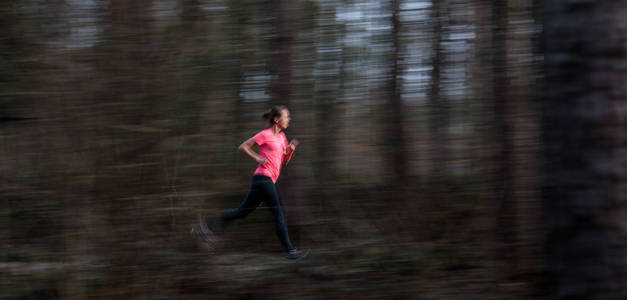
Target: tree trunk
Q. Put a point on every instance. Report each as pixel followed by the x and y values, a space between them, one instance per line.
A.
pixel 584 121
pixel 394 125
pixel 327 91
pixel 438 112
pixel 281 62
pixel 130 47
pixel 281 91
pixel 506 204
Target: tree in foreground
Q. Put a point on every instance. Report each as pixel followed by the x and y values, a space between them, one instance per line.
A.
pixel 584 125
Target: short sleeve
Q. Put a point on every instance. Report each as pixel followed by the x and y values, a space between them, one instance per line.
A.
pixel 260 138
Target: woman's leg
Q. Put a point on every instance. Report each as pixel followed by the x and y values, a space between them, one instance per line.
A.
pixel 274 202
pixel 250 203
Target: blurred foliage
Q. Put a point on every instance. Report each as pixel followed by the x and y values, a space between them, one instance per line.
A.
pixel 121 121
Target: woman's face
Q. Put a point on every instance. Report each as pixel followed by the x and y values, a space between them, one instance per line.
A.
pixel 284 121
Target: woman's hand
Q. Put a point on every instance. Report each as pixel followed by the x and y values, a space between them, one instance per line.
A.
pixel 290 151
pixel 262 160
pixel 293 144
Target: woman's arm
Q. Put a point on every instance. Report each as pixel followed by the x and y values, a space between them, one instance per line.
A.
pixel 289 152
pixel 246 148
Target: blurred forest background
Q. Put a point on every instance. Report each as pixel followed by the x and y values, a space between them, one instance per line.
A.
pixel 454 149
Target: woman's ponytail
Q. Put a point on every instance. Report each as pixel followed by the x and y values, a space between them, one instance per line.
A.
pixel 272 113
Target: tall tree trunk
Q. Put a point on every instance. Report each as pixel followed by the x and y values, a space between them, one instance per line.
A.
pixel 129 46
pixel 327 90
pixel 281 62
pixel 281 90
pixel 394 129
pixel 524 165
pixel 505 201
pixel 584 121
pixel 438 112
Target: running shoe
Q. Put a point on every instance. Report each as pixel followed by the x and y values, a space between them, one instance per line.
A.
pixel 296 254
pixel 201 230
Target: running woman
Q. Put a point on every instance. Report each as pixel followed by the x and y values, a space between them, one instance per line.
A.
pixel 274 151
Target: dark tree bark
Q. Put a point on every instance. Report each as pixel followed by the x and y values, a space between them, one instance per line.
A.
pixel 327 92
pixel 522 158
pixel 130 80
pixel 281 91
pixel 394 112
pixel 438 112
pixel 281 61
pixel 505 201
pixel 584 122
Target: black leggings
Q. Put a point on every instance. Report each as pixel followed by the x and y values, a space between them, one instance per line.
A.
pixel 262 189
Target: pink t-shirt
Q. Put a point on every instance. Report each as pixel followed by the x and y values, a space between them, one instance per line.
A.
pixel 272 148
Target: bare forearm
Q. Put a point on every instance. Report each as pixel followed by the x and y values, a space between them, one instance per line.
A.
pixel 290 151
pixel 288 156
pixel 246 147
pixel 248 151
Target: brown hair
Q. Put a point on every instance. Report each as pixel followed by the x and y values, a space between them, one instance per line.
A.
pixel 274 112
